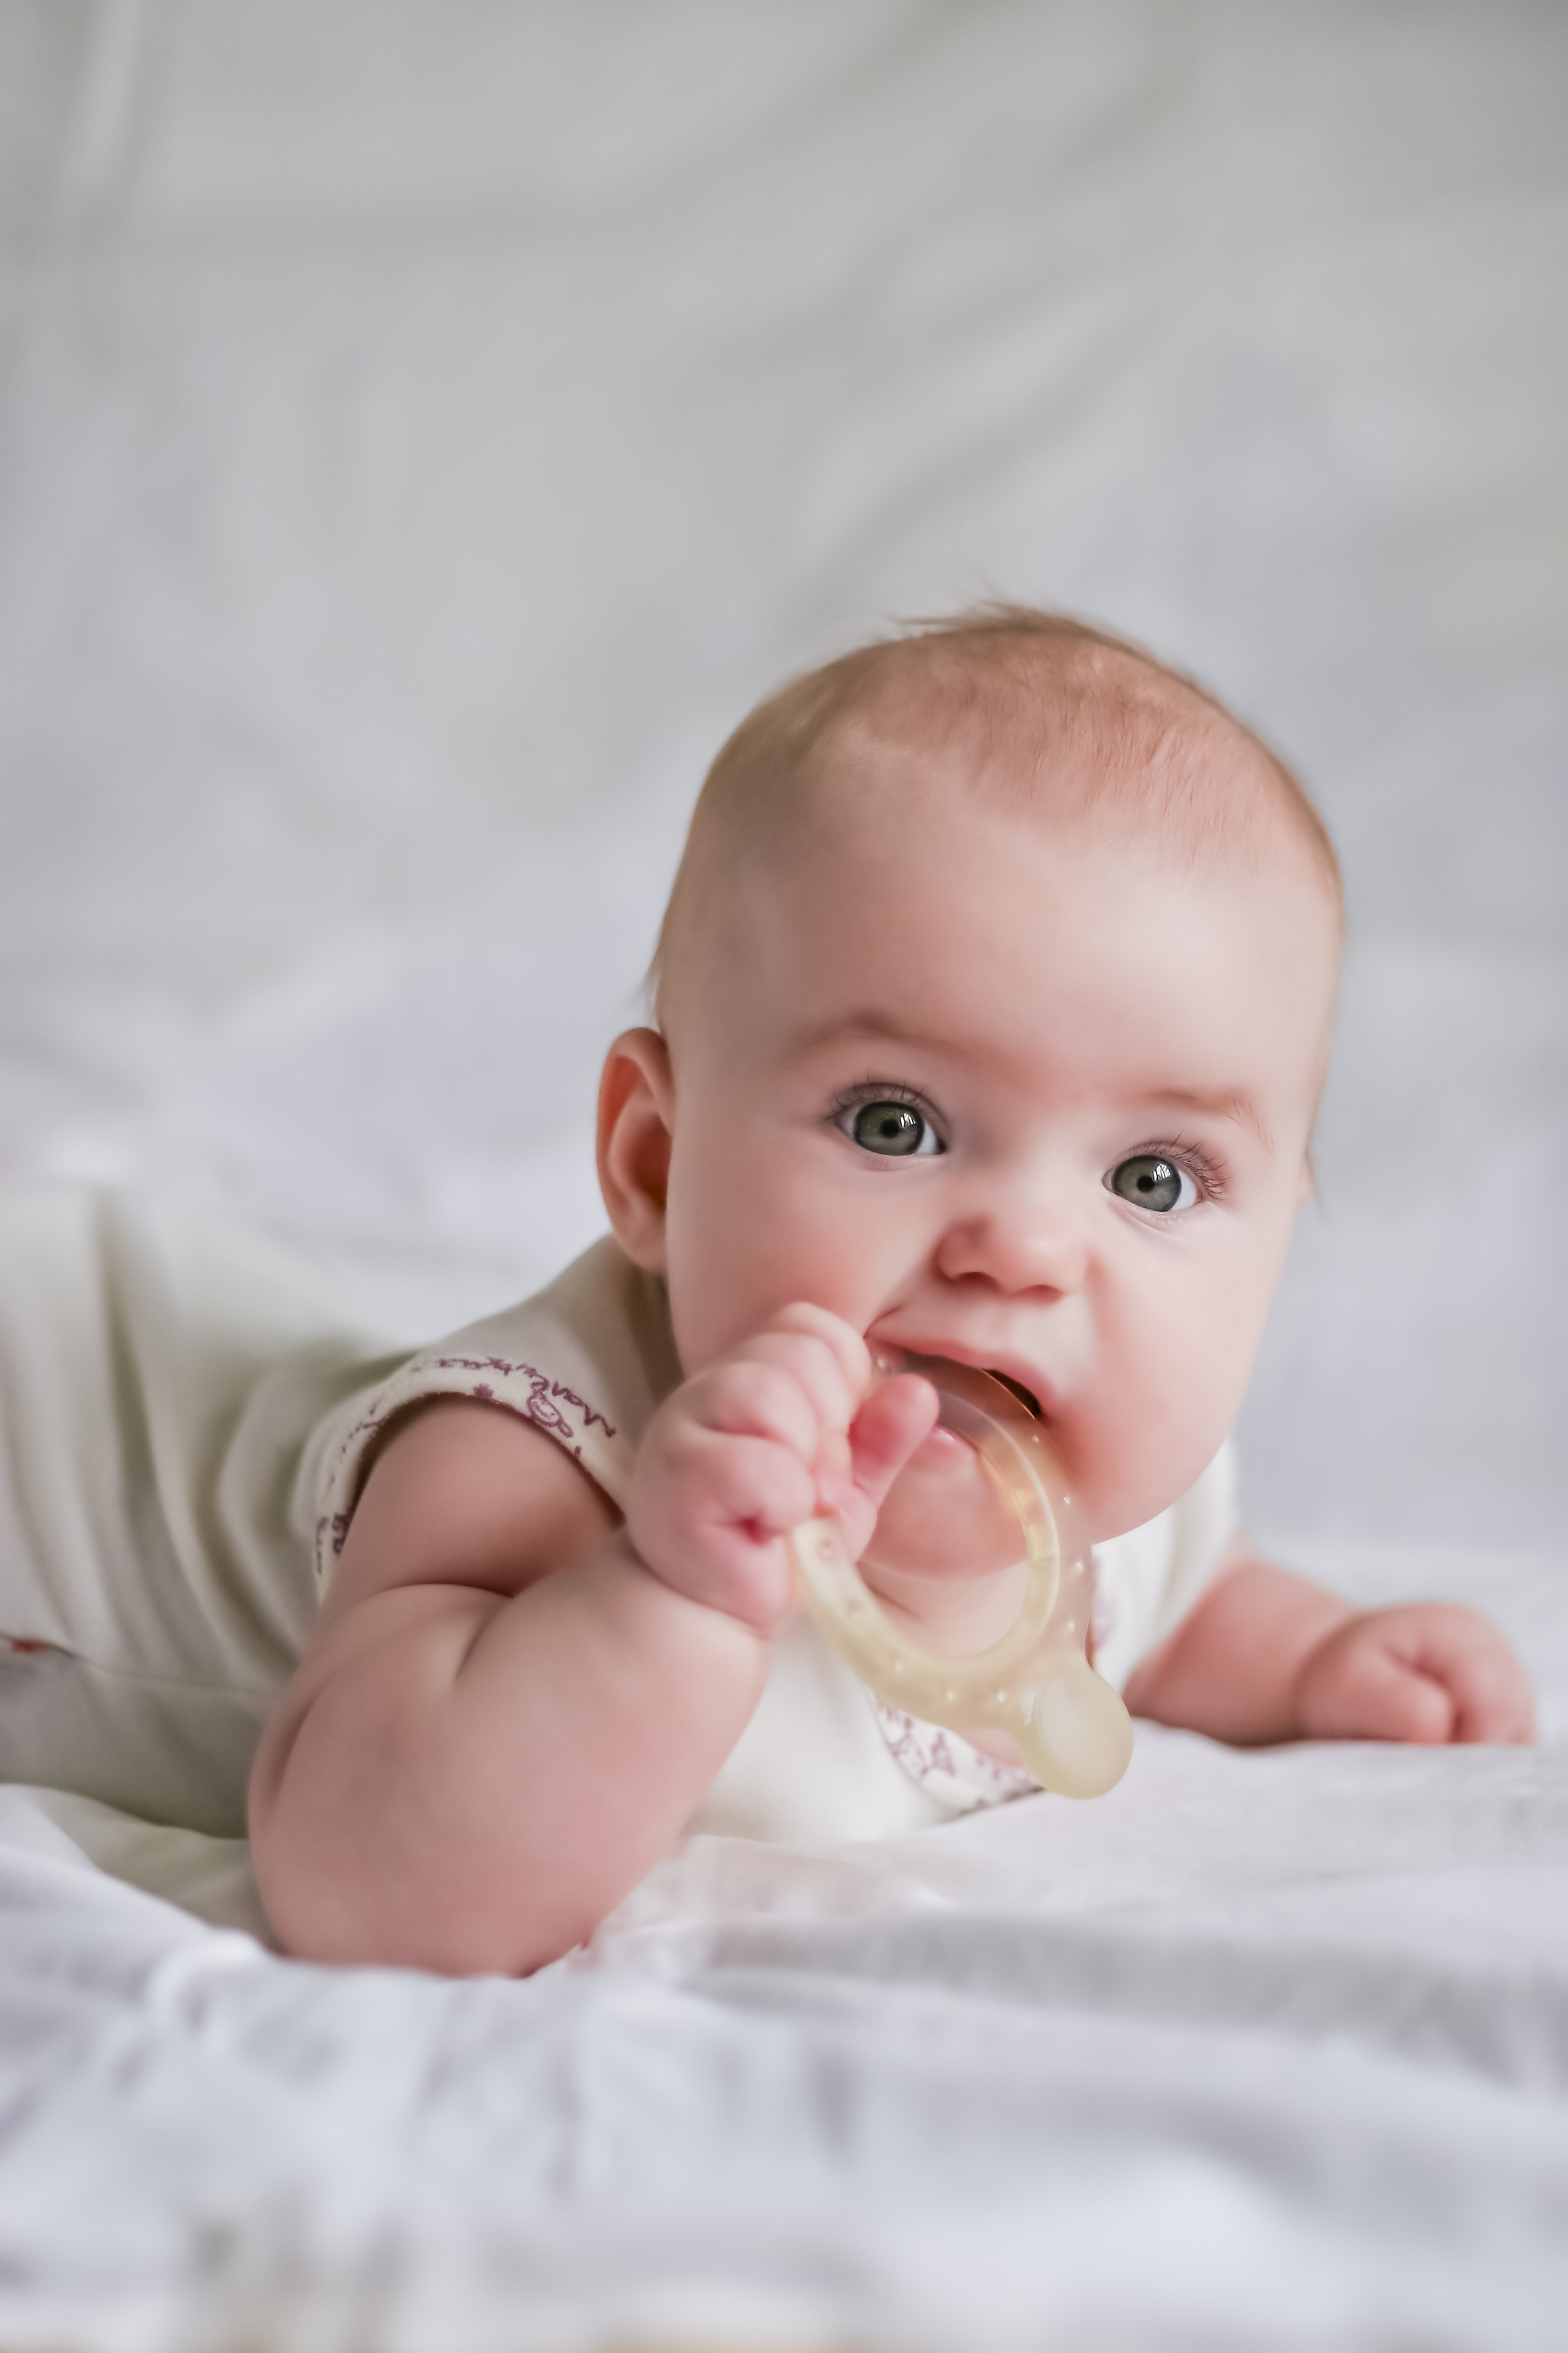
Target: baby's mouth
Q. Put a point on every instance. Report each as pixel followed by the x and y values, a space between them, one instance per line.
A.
pixel 893 1360
pixel 1025 1397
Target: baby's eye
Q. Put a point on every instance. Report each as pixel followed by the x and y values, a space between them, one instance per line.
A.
pixel 1152 1183
pixel 894 1129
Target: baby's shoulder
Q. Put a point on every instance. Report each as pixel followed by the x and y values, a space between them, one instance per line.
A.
pixel 582 1363
pixel 459 1493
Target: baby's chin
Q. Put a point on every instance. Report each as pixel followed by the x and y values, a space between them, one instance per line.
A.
pixel 1111 1506
pixel 945 1515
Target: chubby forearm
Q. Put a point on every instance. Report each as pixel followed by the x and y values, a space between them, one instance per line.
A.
pixel 1234 1666
pixel 1266 1656
pixel 468 1783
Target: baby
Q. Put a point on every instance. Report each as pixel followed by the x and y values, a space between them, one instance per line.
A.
pixel 993 1008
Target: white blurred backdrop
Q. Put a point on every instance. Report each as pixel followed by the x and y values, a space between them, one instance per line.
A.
pixel 427 424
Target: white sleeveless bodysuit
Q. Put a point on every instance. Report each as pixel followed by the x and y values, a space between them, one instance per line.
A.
pixel 587 1360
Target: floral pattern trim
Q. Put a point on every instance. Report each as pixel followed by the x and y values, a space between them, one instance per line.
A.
pixel 949 1767
pixel 524 1388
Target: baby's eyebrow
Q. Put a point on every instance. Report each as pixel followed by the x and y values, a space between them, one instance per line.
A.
pixel 872 1023
pixel 885 1028
pixel 1212 1103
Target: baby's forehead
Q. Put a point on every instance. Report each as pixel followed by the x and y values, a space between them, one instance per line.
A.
pixel 1089 739
pixel 1010 962
pixel 1068 734
pixel 1200 812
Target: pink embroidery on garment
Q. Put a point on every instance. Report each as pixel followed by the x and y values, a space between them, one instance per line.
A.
pixel 959 1772
pixel 541 1386
pixel 547 1415
pixel 539 1407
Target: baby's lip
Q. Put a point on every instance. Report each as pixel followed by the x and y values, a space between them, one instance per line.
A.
pixel 1023 1379
pixel 1025 1395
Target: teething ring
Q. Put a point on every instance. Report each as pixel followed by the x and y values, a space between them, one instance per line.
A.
pixel 1072 1730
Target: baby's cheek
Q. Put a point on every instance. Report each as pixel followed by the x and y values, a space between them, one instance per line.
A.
pixel 1121 1481
pixel 1148 1434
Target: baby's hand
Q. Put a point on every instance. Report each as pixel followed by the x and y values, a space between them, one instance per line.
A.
pixel 772 1434
pixel 1423 1671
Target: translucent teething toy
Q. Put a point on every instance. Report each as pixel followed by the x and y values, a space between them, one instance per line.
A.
pixel 1071 1728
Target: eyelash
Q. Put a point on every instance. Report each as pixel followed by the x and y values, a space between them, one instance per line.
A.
pixel 1207 1173
pixel 870 1090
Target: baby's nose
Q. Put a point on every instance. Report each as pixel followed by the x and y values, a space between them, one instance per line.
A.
pixel 1028 1243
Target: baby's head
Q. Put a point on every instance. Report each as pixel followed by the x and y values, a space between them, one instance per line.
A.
pixel 993 998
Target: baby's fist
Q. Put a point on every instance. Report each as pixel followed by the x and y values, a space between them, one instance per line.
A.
pixel 1423 1671
pixel 743 1453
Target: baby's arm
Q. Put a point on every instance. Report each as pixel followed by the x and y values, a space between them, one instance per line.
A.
pixel 502 1719
pixel 1264 1656
pixel 511 1704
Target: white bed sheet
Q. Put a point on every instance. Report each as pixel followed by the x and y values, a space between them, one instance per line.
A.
pixel 1266 2053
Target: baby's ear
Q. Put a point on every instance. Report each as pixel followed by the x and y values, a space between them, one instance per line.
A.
pixel 636 1117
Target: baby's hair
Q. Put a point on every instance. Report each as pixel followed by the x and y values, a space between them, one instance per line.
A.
pixel 1043 711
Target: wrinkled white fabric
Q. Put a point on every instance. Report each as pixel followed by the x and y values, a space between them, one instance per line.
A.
pixel 1262 2051
pixel 161 1374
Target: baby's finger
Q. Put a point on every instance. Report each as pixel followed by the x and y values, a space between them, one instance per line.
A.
pixel 850 1350
pixel 895 1419
pixel 854 1469
pixel 890 1424
pixel 1467 1654
pixel 1358 1688
pixel 748 1397
pixel 707 1516
pixel 1496 1707
pixel 813 1365
pixel 752 1485
pixel 835 1472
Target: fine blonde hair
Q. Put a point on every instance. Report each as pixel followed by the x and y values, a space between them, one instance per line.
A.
pixel 1042 708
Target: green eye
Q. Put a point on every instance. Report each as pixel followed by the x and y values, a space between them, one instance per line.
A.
pixel 893 1129
pixel 1151 1182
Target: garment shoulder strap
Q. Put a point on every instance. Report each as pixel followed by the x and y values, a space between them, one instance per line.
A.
pixel 586 1360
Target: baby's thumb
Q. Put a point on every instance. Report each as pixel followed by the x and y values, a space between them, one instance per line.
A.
pixel 897 1417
